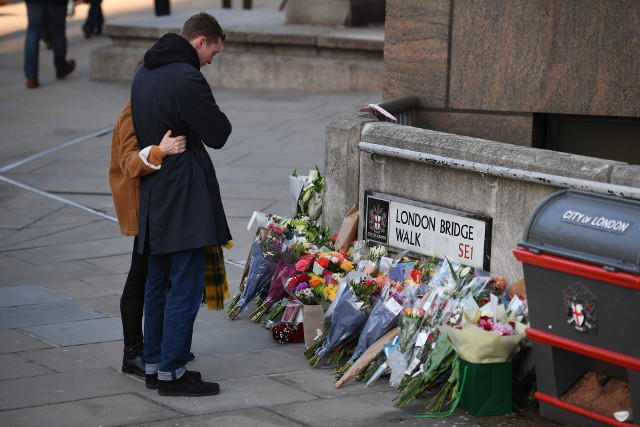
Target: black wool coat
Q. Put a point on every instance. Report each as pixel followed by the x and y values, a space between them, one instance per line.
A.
pixel 180 205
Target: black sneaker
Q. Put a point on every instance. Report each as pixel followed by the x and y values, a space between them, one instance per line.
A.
pixel 151 380
pixel 187 385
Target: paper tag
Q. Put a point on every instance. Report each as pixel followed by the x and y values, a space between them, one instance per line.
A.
pixel 393 306
pixel 412 366
pixel 318 269
pixel 253 218
pixel 421 339
pixel 385 264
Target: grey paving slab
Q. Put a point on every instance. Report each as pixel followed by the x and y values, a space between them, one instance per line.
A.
pixel 79 357
pixel 241 207
pixel 22 272
pixel 359 410
pixel 215 333
pixel 72 251
pixel 13 220
pixel 64 387
pixel 110 283
pixel 224 366
pixel 79 331
pixel 61 215
pixel 118 263
pixel 14 341
pixel 98 228
pixel 234 394
pixel 23 238
pixel 255 417
pixel 86 288
pixel 108 305
pixel 53 183
pixel 18 366
pixel 320 382
pixel 43 314
pixel 28 294
pixel 118 410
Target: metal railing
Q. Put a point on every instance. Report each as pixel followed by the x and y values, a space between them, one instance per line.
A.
pixel 397 110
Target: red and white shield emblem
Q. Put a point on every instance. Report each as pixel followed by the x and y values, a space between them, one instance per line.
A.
pixel 376 222
pixel 578 315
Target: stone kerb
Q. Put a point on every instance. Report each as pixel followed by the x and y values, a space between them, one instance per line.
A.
pixel 259 53
pixel 509 201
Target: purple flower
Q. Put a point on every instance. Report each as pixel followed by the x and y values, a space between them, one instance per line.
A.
pixel 301 286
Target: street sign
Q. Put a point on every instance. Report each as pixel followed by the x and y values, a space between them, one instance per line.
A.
pixel 426 229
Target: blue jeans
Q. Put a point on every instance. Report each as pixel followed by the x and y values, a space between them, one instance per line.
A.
pixel 172 297
pixel 57 16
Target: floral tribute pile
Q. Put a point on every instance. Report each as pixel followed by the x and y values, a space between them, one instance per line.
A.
pixel 407 320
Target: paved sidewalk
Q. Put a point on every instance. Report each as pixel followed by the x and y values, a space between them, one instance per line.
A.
pixel 63 261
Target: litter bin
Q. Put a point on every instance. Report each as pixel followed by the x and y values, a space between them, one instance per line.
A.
pixel 581 263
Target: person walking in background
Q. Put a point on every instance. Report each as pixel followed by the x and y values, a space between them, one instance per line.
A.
pixel 95 19
pixel 181 209
pixel 128 164
pixel 55 11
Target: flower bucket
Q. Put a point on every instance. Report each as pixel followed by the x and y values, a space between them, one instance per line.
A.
pixel 486 388
pixel 312 316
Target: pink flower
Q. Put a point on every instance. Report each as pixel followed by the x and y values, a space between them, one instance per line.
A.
pixel 304 262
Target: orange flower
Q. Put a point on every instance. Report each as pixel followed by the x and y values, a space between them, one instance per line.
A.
pixel 315 281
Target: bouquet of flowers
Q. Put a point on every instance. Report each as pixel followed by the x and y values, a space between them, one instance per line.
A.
pixel 375 256
pixel 285 269
pixel 368 290
pixel 306 288
pixel 384 317
pixel 264 257
pixel 289 329
pixel 452 303
pixel 343 322
pixel 410 324
pixel 304 228
pixel 310 197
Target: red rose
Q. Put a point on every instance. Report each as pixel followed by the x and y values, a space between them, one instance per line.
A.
pixel 324 262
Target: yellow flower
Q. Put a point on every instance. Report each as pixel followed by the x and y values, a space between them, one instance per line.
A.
pixel 346 265
pixel 329 292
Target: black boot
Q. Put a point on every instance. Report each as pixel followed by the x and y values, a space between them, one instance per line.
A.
pixel 132 361
pixel 131 312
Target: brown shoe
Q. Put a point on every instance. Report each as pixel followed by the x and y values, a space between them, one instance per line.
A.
pixel 32 82
pixel 71 65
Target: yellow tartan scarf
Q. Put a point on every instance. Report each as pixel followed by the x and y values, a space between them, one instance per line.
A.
pixel 216 286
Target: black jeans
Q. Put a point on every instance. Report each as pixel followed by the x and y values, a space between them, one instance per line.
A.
pixel 132 301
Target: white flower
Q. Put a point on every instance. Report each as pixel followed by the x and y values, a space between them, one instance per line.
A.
pixel 313 175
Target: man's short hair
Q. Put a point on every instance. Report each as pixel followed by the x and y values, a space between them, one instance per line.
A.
pixel 202 24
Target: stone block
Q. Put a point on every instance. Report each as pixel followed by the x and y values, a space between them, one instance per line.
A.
pixel 341 166
pixel 545 56
pixel 511 129
pixel 416 50
pixel 504 197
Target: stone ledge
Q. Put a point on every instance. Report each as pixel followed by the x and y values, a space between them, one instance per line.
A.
pixel 261 52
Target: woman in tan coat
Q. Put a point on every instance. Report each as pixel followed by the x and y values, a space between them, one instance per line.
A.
pixel 128 164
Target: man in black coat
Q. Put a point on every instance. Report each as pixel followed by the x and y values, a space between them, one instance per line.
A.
pixel 181 208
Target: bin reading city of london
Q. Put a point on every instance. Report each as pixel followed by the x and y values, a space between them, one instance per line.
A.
pixel 581 262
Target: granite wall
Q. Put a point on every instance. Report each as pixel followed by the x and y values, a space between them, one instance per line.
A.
pixel 482 68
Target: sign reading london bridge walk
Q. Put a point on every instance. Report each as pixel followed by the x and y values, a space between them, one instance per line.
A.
pixel 427 229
